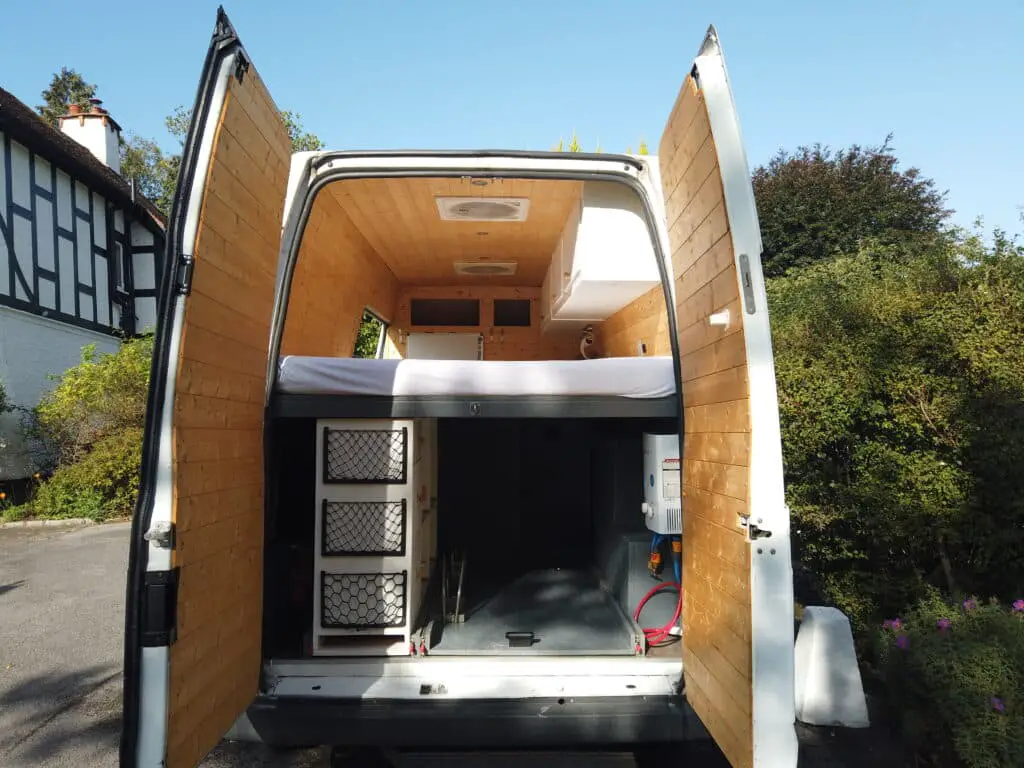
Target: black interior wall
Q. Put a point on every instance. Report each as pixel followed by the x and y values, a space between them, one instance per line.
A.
pixel 289 533
pixel 515 494
pixel 540 493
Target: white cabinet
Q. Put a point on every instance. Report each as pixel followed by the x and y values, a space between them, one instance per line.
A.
pixel 375 532
pixel 604 259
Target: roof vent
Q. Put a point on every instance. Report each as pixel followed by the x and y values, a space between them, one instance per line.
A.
pixel 485 268
pixel 483 208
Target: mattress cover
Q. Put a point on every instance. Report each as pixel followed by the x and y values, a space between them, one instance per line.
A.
pixel 633 377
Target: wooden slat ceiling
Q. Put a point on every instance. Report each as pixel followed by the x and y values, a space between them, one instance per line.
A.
pixel 399 218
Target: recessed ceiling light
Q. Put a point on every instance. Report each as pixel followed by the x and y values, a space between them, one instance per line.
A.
pixel 483 208
pixel 485 269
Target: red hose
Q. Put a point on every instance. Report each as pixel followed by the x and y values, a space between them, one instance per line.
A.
pixel 657 635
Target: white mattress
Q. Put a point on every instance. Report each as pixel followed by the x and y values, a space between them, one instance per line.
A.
pixel 635 377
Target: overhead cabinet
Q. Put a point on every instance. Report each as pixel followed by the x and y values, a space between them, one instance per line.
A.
pixel 603 260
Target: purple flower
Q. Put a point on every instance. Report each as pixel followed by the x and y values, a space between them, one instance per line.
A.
pixel 902 642
pixel 1018 605
pixel 970 604
pixel 998 705
pixel 944 624
pixel 894 624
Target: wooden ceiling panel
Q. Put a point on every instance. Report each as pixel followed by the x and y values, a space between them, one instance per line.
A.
pixel 399 218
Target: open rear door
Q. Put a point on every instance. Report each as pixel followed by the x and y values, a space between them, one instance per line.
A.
pixel 737 575
pixel 193 625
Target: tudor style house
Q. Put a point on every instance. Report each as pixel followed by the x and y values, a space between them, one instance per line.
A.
pixel 81 256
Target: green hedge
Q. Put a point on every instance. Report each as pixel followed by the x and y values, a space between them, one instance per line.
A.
pixel 104 484
pixel 955 679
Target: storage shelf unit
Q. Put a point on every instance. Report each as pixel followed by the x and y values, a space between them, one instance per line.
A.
pixel 374 533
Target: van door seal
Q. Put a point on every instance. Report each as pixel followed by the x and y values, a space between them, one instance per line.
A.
pixel 160 609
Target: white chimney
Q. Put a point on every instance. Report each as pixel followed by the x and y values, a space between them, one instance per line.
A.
pixel 96 131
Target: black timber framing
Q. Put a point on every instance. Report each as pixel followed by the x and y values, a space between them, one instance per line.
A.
pixel 25 290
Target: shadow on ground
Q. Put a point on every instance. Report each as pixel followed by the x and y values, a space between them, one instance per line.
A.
pixel 57 718
pixel 5 588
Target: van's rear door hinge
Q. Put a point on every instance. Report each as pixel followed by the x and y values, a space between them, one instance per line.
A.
pixel 183 274
pixel 160 609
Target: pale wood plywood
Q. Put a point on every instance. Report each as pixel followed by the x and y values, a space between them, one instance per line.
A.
pixel 218 423
pixel 399 219
pixel 717 441
pixel 337 276
pixel 499 343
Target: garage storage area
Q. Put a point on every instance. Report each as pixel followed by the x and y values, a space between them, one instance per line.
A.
pixel 464 537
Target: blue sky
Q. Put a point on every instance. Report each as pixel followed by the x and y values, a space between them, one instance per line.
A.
pixel 945 77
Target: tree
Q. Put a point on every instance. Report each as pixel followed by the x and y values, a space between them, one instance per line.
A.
pixel 575 146
pixel 67 87
pixel 815 203
pixel 156 173
pixel 302 140
pixel 368 336
pixel 901 394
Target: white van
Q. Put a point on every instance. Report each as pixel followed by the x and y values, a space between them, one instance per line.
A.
pixel 456 543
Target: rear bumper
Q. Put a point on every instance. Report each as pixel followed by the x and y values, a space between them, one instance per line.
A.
pixel 473 723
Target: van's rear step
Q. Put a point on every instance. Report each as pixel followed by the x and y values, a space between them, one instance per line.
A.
pixel 558 611
pixel 473 724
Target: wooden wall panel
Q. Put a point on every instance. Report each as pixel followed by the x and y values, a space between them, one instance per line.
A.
pixel 337 276
pixel 499 343
pixel 218 423
pixel 717 444
pixel 645 320
pixel 399 218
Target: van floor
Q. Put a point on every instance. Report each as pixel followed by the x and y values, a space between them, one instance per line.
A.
pixel 559 611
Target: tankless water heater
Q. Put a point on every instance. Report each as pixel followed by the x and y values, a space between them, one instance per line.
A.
pixel 662 507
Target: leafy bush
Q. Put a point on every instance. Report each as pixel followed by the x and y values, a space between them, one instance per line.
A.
pixel 955 677
pixel 901 389
pixel 99 397
pixel 103 484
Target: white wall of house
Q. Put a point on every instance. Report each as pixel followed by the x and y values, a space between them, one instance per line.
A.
pixel 32 349
pixel 72 263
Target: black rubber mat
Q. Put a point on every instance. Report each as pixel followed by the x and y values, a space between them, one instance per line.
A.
pixel 547 612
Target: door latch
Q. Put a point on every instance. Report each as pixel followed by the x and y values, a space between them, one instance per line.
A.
pixel 753 530
pixel 161 534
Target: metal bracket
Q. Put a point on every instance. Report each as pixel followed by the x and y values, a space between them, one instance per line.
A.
pixel 161 534
pixel 160 609
pixel 241 66
pixel 753 530
pixel 183 279
pixel 747 283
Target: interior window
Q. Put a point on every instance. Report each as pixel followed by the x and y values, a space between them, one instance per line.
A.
pixel 512 313
pixel 445 312
pixel 370 339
